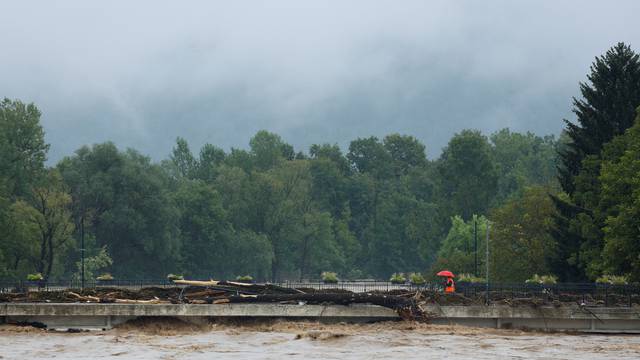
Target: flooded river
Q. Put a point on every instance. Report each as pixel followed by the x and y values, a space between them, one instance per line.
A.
pixel 289 340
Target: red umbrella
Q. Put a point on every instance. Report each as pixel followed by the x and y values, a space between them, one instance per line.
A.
pixel 446 273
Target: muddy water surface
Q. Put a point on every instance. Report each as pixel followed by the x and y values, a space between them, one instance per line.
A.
pixel 288 340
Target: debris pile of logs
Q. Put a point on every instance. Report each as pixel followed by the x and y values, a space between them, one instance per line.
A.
pixel 221 292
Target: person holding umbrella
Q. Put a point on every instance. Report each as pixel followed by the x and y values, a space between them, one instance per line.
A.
pixel 449 285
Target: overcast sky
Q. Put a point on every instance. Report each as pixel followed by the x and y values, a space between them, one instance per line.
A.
pixel 142 73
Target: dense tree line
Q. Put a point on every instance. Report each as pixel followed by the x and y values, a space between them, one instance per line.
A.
pixel 380 207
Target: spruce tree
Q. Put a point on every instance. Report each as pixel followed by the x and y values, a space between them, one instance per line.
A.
pixel 606 109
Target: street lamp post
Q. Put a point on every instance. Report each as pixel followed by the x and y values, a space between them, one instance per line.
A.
pixel 487 260
pixel 82 251
pixel 475 246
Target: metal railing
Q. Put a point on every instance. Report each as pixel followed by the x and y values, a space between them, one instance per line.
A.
pixel 20 286
pixel 357 285
pixel 579 293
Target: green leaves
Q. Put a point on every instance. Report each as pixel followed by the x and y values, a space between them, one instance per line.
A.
pixel 589 221
pixel 620 203
pixel 468 176
pixel 22 146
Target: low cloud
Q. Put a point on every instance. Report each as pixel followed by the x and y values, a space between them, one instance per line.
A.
pixel 143 73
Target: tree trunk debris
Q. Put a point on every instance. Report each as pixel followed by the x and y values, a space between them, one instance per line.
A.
pixel 409 304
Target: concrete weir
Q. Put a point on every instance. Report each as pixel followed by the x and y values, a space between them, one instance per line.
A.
pixel 103 316
pixel 564 318
pixel 78 315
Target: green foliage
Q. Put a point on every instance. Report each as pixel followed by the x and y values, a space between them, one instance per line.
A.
pixel 369 156
pixel 468 175
pixel 35 277
pixel 269 150
pixel 523 160
pixel 47 216
pixel 244 278
pixel 93 264
pixel 606 110
pixel 105 277
pixel 379 208
pixel 469 278
pixel 613 279
pixel 22 147
pixel 417 279
pixel 620 204
pixel 542 279
pixel 457 251
pixel 22 155
pixel 125 203
pixel 172 277
pixel 406 153
pixel 520 241
pixel 398 278
pixel 329 277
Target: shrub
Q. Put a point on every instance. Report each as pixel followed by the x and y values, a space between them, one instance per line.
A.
pixel 470 278
pixel 35 277
pixel 542 279
pixel 329 277
pixel 416 279
pixel 398 278
pixel 172 277
pixel 245 278
pixel 105 277
pixel 612 279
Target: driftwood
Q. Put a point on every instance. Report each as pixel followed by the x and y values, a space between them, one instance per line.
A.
pixel 87 298
pixel 152 301
pixel 196 282
pixel 207 292
pixel 390 301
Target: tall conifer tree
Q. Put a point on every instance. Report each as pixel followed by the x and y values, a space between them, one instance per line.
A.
pixel 606 109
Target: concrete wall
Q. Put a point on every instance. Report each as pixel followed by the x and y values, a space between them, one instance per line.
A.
pixel 543 318
pixel 106 315
pixel 570 318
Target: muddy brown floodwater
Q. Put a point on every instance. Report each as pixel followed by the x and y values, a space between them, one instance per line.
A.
pixel 306 340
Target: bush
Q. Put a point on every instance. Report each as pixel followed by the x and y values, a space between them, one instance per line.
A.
pixel 245 278
pixel 470 278
pixel 542 279
pixel 105 277
pixel 398 278
pixel 329 277
pixel 416 279
pixel 172 277
pixel 35 277
pixel 612 279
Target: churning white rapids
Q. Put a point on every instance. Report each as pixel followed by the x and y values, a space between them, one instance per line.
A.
pixel 295 340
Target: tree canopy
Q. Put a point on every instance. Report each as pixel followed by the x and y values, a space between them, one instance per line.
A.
pixel 564 205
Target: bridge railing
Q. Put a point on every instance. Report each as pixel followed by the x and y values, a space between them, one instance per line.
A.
pixel 578 293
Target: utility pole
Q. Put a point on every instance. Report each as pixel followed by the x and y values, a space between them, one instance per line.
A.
pixel 487 260
pixel 475 246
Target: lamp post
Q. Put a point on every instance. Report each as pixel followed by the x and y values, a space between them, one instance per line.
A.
pixel 487 260
pixel 475 245
pixel 82 251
